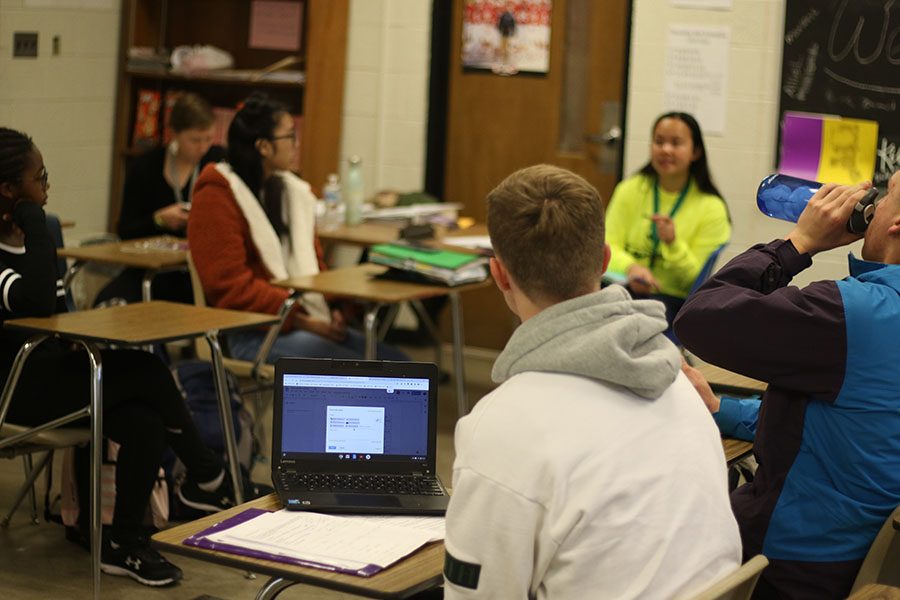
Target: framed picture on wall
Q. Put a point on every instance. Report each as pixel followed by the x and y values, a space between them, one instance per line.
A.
pixel 506 36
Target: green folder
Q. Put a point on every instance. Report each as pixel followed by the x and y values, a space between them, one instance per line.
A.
pixel 445 259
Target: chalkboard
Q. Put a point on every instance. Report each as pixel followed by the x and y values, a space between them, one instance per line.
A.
pixel 842 57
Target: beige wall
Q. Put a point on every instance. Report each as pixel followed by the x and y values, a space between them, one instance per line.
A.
pixel 386 95
pixel 746 152
pixel 65 102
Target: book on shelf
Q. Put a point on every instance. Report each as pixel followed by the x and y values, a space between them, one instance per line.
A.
pixel 146 119
pixel 429 265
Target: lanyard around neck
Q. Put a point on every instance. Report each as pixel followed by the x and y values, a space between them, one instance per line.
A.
pixel 678 202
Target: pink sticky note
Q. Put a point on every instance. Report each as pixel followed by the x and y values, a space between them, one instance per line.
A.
pixel 275 25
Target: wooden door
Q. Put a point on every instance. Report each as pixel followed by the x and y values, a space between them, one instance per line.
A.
pixel 571 117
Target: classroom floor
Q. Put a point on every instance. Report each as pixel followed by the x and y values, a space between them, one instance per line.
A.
pixel 37 562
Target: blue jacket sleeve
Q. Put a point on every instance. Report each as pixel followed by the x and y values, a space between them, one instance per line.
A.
pixel 737 417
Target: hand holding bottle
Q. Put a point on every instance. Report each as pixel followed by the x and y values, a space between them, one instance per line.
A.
pixel 823 223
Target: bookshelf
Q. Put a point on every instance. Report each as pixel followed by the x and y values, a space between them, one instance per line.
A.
pixel 312 90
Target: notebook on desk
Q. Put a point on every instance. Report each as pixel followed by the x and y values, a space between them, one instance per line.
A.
pixel 355 436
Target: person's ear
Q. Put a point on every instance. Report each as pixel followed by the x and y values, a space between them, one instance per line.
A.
pixel 500 274
pixel 7 190
pixel 607 254
pixel 264 147
pixel 894 228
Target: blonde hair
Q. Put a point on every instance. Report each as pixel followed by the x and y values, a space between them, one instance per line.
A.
pixel 190 111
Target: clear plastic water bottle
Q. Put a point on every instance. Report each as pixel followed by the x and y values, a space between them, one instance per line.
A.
pixel 334 204
pixel 353 187
pixel 785 197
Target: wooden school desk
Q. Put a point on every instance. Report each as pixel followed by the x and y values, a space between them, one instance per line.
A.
pixel 725 381
pixel 154 255
pixel 357 283
pixel 133 325
pixel 876 591
pixel 415 573
pixel 735 450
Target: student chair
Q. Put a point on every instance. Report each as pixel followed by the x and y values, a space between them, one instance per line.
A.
pixel 739 584
pixel 16 440
pixel 26 447
pixel 702 276
pixel 882 563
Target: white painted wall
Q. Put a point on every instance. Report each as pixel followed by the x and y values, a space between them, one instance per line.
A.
pixel 385 114
pixel 746 152
pixel 65 102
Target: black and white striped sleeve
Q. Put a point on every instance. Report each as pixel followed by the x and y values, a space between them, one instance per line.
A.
pixel 29 284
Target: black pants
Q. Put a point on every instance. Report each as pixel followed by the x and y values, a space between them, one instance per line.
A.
pixel 143 411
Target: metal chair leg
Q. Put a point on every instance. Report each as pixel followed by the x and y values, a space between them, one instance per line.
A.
pixel 31 475
pixel 29 467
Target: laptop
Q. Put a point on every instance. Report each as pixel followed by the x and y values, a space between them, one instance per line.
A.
pixel 356 436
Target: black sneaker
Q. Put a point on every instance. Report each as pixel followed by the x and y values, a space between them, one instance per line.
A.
pixel 191 495
pixel 140 562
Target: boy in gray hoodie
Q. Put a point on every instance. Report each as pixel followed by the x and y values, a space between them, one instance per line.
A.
pixel 594 470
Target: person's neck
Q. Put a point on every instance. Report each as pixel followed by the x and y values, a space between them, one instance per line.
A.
pixel 674 183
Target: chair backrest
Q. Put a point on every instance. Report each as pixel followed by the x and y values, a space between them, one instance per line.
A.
pixel 737 585
pixel 707 269
pixel 882 562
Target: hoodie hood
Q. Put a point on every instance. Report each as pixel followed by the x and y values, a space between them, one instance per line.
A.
pixel 604 335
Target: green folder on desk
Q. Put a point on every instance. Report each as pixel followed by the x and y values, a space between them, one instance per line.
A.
pixel 444 259
pixel 432 264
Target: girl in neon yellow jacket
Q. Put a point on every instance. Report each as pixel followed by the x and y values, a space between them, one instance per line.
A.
pixel 663 223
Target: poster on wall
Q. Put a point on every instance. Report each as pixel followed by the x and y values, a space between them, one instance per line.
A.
pixel 840 57
pixel 507 36
pixel 696 73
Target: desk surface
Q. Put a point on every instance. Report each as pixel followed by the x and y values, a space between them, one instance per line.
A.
pixel 371 233
pixel 735 450
pixel 876 591
pixel 148 253
pixel 413 574
pixel 142 323
pixel 728 381
pixel 357 282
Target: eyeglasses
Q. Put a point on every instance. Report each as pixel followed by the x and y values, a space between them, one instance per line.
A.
pixel 287 136
pixel 43 177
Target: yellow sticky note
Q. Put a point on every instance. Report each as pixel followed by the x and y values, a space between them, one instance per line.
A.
pixel 848 150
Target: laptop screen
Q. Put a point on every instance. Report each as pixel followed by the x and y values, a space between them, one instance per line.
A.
pixel 355 418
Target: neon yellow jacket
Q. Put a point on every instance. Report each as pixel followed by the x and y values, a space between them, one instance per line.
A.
pixel 701 226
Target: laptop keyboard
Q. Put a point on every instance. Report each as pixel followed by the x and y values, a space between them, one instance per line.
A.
pixel 415 485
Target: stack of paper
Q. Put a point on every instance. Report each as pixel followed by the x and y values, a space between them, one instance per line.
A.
pixel 438 266
pixel 357 544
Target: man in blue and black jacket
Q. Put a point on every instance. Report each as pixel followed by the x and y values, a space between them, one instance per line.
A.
pixel 828 427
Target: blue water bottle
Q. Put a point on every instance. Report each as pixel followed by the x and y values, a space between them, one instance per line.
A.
pixel 785 197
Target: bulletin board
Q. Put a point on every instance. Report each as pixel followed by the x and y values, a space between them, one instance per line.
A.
pixel 842 57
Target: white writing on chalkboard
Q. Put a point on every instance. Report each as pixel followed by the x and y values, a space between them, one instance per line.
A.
pixel 888 159
pixel 886 39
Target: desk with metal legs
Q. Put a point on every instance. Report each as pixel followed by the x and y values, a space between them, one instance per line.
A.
pixel 359 283
pixel 417 572
pixel 131 325
pixel 155 255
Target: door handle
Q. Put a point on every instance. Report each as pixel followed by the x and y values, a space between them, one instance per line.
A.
pixel 608 138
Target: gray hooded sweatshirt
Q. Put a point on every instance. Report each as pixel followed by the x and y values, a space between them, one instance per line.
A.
pixel 605 335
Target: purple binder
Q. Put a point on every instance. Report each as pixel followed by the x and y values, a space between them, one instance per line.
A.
pixel 200 541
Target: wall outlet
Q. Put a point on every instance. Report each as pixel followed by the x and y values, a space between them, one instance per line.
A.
pixel 25 44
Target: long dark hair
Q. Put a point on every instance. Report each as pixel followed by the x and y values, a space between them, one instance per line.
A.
pixel 699 168
pixel 14 149
pixel 256 120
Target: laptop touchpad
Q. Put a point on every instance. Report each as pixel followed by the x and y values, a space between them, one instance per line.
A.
pixel 366 500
